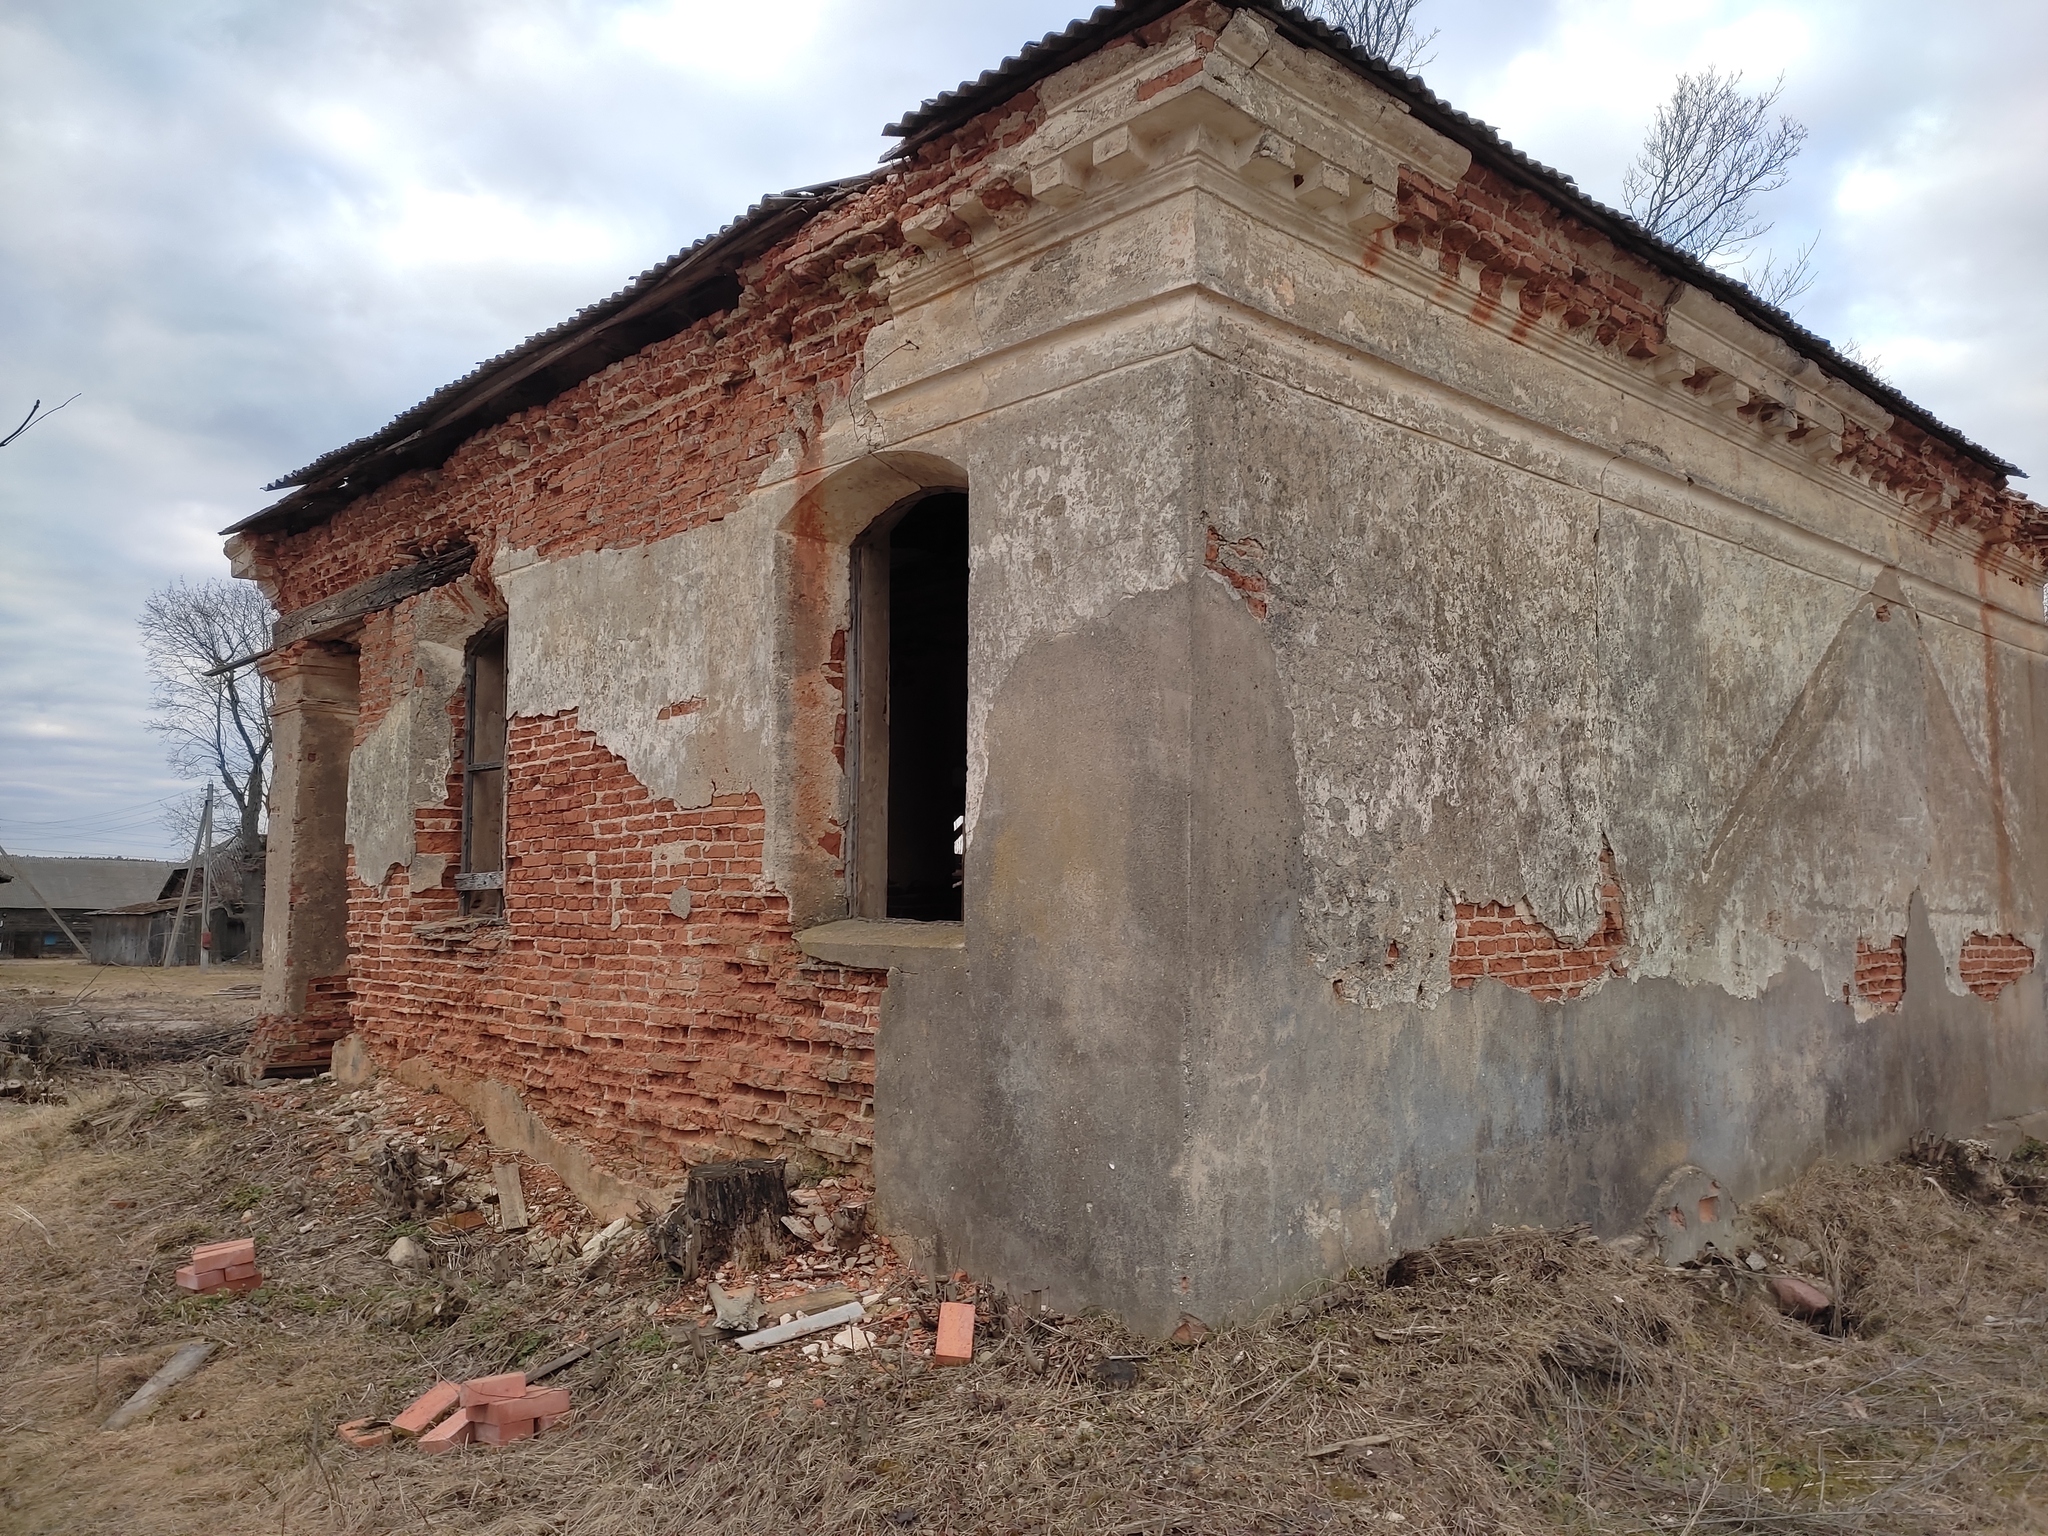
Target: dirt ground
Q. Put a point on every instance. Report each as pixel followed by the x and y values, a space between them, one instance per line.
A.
pixel 1519 1381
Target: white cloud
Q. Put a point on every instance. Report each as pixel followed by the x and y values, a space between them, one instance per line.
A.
pixel 755 47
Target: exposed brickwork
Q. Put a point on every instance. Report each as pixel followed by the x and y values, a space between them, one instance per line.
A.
pixel 666 1038
pixel 1237 562
pixel 661 1038
pixel 1572 275
pixel 1497 941
pixel 1991 962
pixel 286 1043
pixel 676 435
pixel 1511 235
pixel 1881 973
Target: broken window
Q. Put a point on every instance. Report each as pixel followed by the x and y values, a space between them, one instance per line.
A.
pixel 482 877
pixel 910 712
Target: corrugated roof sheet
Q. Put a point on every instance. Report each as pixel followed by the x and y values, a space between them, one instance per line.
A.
pixel 81 884
pixel 1056 50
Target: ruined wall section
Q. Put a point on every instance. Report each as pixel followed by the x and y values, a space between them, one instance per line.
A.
pixel 1562 555
pixel 643 988
pixel 659 1028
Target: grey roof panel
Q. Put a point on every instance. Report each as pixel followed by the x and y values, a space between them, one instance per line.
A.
pixel 81 884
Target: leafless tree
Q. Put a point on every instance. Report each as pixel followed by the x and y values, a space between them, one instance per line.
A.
pixel 215 727
pixel 1713 150
pixel 1383 28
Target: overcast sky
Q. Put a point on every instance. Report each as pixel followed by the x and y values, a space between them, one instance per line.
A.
pixel 245 232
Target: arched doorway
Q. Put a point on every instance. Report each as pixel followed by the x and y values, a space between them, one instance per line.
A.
pixel 908 726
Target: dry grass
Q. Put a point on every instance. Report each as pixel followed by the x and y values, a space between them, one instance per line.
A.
pixel 1524 1381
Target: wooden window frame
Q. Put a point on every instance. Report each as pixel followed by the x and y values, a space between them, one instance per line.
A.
pixel 481 879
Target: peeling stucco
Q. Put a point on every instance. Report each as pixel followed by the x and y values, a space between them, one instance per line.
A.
pixel 402 765
pixel 623 636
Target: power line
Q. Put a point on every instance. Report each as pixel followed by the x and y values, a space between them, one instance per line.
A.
pixel 119 812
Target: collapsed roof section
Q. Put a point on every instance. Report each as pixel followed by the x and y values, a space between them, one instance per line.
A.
pixel 703 279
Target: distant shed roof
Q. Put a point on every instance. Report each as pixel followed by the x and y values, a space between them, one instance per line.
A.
pixel 87 885
pixel 700 279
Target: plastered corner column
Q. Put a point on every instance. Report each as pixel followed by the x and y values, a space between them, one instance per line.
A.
pixel 305 926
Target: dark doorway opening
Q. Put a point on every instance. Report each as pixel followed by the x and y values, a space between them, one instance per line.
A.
pixel 911 787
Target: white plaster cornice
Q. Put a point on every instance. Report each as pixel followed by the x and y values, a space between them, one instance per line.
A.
pixel 1284 137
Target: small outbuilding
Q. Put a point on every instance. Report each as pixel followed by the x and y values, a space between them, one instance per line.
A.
pixel 1210 674
pixel 78 889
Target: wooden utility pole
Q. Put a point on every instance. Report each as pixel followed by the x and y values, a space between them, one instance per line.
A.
pixel 205 881
pixel 191 868
pixel 21 874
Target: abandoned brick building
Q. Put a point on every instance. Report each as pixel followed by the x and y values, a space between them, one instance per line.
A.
pixel 1211 673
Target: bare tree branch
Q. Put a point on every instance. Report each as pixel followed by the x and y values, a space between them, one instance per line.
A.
pixel 1712 151
pixel 1383 28
pixel 214 728
pixel 1783 286
pixel 1862 356
pixel 35 414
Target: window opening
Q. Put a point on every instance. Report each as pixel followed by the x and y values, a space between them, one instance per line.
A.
pixel 482 877
pixel 911 702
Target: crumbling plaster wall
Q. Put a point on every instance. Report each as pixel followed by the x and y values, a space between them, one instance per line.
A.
pixel 666 652
pixel 402 763
pixel 1316 588
pixel 1494 611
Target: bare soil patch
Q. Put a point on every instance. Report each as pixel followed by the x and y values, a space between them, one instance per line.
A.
pixel 1518 1381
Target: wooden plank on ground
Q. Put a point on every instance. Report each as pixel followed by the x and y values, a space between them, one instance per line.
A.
pixel 185 1362
pixel 511 1197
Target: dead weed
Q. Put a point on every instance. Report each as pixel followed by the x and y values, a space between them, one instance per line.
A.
pixel 1520 1381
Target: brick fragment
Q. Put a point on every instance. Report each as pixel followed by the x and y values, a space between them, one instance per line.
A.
pixel 1799 1298
pixel 535 1403
pixel 427 1407
pixel 365 1434
pixel 452 1431
pixel 200 1280
pixel 505 1433
pixel 956 1334
pixel 487 1389
pixel 240 1250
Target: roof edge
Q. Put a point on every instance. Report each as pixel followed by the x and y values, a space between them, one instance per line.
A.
pixel 662 301
pixel 951 110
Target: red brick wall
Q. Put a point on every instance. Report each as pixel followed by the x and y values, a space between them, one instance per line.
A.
pixel 1237 562
pixel 1881 973
pixel 1495 940
pixel 1991 962
pixel 661 1038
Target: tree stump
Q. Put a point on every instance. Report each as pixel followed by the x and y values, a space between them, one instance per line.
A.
pixel 721 1202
